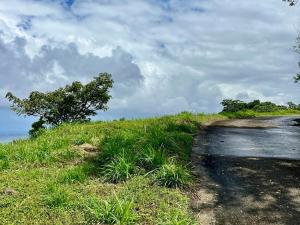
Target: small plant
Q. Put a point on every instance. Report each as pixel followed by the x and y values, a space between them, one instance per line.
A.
pixel 113 211
pixel 172 175
pixel 120 169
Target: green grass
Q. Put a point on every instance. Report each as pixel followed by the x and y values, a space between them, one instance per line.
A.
pixel 252 114
pixel 138 176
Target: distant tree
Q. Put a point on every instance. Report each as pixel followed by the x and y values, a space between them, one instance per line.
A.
pixel 266 107
pixel 73 103
pixel 230 105
pixel 252 104
pixel 292 105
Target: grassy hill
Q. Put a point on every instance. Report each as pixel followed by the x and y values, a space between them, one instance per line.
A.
pixel 132 172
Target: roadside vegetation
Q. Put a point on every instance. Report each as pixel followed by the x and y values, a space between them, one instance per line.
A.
pixel 119 172
pixel 239 109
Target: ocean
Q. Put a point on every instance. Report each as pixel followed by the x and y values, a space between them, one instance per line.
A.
pixel 12 126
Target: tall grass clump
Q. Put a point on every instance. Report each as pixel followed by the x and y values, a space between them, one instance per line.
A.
pixel 173 175
pixel 151 158
pixel 112 211
pixel 119 169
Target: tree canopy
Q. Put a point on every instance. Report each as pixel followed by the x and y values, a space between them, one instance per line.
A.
pixel 73 103
pixel 230 105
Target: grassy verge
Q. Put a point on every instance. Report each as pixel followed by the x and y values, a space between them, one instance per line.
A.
pixel 252 114
pixel 136 175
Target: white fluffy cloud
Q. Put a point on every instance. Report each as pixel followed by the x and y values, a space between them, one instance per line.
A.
pixel 165 56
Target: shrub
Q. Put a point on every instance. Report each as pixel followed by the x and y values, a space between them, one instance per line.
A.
pixel 172 175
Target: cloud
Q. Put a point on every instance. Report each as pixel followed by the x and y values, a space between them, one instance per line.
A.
pixel 55 67
pixel 165 56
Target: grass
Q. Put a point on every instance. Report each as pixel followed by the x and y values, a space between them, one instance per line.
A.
pixel 138 175
pixel 252 114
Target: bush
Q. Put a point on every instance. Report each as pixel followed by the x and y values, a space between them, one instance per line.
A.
pixel 172 175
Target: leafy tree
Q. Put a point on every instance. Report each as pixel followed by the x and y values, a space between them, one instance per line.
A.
pixel 256 105
pixel 73 103
pixel 230 105
pixel 292 105
pixel 266 107
pixel 252 104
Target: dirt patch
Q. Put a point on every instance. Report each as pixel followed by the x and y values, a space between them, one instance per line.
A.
pixel 245 123
pixel 87 149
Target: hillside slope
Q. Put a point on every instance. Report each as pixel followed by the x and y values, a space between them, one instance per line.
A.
pixel 121 172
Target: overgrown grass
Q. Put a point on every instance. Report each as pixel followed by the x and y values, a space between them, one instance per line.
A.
pixel 138 175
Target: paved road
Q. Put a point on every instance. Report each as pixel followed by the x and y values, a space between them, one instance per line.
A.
pixel 249 176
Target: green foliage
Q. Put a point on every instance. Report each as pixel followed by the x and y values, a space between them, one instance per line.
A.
pixel 240 114
pixel 37 128
pixel 172 175
pixel 73 103
pixel 152 158
pixel 56 197
pixel 113 211
pixel 230 105
pixel 55 180
pixel 293 106
pixel 240 109
pixel 120 169
pixel 75 174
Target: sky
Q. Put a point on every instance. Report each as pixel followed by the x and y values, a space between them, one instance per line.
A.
pixel 165 56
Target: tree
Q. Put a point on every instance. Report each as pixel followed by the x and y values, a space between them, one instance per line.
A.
pixel 252 104
pixel 292 105
pixel 230 105
pixel 73 103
